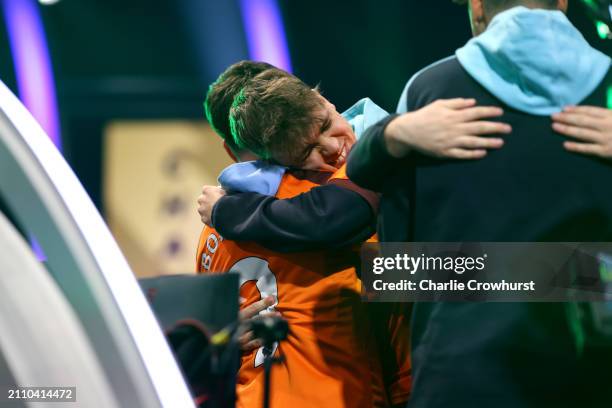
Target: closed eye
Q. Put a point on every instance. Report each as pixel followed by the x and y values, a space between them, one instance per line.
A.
pixel 326 124
pixel 306 153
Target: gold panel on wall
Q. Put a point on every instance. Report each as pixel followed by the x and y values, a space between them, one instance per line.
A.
pixel 153 174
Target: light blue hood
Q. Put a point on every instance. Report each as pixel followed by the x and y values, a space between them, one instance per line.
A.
pixel 364 114
pixel 535 61
pixel 263 177
pixel 258 176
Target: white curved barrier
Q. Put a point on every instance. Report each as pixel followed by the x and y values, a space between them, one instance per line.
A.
pixel 42 339
pixel 48 201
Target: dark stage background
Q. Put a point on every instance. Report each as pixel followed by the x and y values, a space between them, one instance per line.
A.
pixel 153 59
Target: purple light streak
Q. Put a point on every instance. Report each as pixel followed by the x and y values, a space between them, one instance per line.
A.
pixel 37 249
pixel 32 64
pixel 265 33
pixel 32 72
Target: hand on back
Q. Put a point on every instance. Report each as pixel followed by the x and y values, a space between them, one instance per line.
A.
pixel 447 128
pixel 589 127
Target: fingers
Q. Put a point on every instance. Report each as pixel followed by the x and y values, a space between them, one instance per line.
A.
pixel 480 112
pixel 474 142
pixel 252 345
pixel 581 133
pixel 593 111
pixel 584 148
pixel 204 216
pixel 247 343
pixel 206 190
pixel 246 339
pixel 254 309
pixel 201 209
pixel 457 103
pixel 464 154
pixel 485 128
pixel 207 200
pixel 577 119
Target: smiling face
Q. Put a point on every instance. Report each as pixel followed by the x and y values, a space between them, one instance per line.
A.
pixel 327 147
pixel 284 120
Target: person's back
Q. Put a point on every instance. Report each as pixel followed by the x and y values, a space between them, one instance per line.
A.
pixel 560 195
pixel 327 360
pixel 508 354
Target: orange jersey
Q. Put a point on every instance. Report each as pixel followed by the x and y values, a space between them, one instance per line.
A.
pixel 327 360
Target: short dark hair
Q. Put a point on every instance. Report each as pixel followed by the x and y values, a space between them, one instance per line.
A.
pixel 272 114
pixel 493 7
pixel 221 94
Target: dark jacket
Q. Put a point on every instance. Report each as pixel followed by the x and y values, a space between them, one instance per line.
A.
pixel 494 354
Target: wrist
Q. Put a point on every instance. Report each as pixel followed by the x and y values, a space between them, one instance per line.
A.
pixel 396 139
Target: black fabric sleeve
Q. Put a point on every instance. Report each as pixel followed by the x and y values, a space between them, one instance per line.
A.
pixel 369 163
pixel 327 216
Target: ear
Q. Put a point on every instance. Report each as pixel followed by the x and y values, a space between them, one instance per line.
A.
pixel 477 16
pixel 562 5
pixel 230 153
